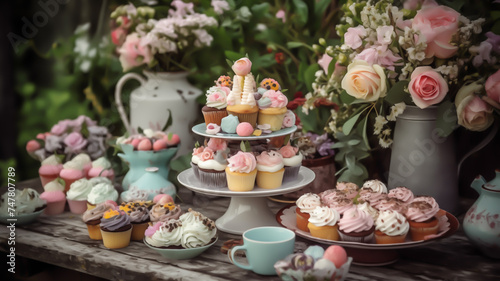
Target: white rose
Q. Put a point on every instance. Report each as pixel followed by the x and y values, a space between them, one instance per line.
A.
pixel 364 81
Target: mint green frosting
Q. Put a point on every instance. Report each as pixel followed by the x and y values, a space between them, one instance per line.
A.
pixel 229 123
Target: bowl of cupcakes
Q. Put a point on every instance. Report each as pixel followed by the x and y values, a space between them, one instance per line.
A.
pixel 21 206
pixel 371 222
pixel 183 238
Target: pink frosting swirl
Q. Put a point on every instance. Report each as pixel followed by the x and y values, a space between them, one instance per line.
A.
pixel 392 204
pixel 370 196
pixel 355 220
pixel 420 211
pixel 349 188
pixel 242 162
pixel 278 99
pixel 330 195
pixel 341 205
pixel 429 200
pixel 207 154
pixel 402 193
pixel 288 151
pixel 269 158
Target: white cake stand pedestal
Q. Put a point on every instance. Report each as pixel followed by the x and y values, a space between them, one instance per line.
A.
pixel 247 209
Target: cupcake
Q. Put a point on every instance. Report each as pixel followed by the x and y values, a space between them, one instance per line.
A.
pixel 92 218
pixel 340 205
pixel 27 201
pixel 101 167
pixel 349 188
pixel 422 219
pixel 164 212
pixel 356 226
pixel 197 230
pixel 116 229
pixel 323 223
pixel 56 201
pixel 213 163
pixel 139 218
pixel 305 206
pixel 77 195
pixel 241 171
pixel 272 109
pixel 50 169
pixel 71 172
pixel 270 169
pixel 215 109
pixel 241 101
pixel 100 193
pixel 55 185
pixel 392 204
pixel 292 159
pixel 402 193
pixel 365 207
pixel 376 186
pixel 370 196
pixel 391 227
pixel 331 195
pixel 195 158
pixel 164 234
pixel 96 180
pixel 84 160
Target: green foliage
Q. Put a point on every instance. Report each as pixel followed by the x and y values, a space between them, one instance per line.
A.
pixel 351 149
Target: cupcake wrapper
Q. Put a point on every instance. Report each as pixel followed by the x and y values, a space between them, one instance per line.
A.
pixel 55 208
pixel 291 173
pixel 275 120
pixel 94 231
pixel 45 179
pixel 116 240
pixel 214 116
pixel 269 180
pixel 241 181
pixel 138 230
pixel 361 239
pixel 213 180
pixel 196 170
pixel 246 117
pixel 77 207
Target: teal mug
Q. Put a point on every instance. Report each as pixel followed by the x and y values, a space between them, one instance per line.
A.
pixel 264 246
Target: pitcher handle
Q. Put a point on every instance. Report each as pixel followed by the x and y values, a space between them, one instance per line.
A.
pixel 480 146
pixel 118 99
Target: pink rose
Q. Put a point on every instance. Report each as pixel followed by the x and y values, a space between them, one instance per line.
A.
pixel 118 36
pixel 324 62
pixel 207 154
pixel 288 151
pixel 75 142
pixel 242 67
pixel 217 144
pixel 473 112
pixel 41 136
pixel 278 99
pixel 437 24
pixel 61 127
pixel 427 87
pixel 198 150
pixel 133 53
pixel 352 38
pixel 492 87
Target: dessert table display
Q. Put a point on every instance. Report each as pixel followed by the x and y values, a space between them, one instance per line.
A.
pixel 62 240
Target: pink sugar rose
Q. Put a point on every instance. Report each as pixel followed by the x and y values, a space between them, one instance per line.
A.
pixel 242 162
pixel 269 158
pixel 207 154
pixel 133 53
pixel 288 151
pixel 198 150
pixel 427 87
pixel 217 144
pixel 437 24
pixel 212 129
pixel 492 87
pixel 75 142
pixel 352 37
pixel 278 99
pixel 242 67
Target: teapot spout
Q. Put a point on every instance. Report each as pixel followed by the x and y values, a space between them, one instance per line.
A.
pixel 478 183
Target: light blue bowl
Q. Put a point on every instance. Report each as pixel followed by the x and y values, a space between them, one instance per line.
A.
pixel 22 219
pixel 181 254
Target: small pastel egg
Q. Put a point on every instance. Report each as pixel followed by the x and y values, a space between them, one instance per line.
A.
pixel 336 254
pixel 159 144
pixel 163 199
pixel 315 251
pixel 135 142
pixel 173 140
pixel 145 144
pixel 244 129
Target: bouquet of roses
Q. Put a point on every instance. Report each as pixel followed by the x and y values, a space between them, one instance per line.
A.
pixel 165 43
pixel 69 138
pixel 421 54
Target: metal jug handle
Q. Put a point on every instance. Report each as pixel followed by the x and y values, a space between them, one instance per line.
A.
pixel 480 146
pixel 118 92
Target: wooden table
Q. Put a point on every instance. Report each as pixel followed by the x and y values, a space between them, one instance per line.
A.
pixel 63 241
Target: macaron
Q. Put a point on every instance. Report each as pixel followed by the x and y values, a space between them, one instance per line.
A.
pixel 244 129
pixel 336 254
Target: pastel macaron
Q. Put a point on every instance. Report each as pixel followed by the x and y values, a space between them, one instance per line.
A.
pixel 244 129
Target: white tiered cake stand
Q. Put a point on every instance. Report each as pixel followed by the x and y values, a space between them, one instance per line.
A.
pixel 246 209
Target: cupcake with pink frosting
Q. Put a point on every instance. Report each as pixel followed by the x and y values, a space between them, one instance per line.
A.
pixel 422 219
pixel 241 171
pixel 195 159
pixel 50 169
pixel 356 226
pixel 373 191
pixel 402 193
pixel 272 109
pixel 84 160
pixel 270 169
pixel 292 159
pixel 56 201
pixel 349 188
pixel 330 195
pixel 340 205
pixel 71 172
pixel 391 204
pixel 101 167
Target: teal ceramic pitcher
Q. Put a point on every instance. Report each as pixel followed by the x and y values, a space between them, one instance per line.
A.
pixel 482 221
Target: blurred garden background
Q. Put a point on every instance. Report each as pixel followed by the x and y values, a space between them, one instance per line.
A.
pixel 59 61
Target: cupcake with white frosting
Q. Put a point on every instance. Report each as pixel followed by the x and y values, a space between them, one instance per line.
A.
pixel 270 169
pixel 292 159
pixel 323 223
pixel 391 227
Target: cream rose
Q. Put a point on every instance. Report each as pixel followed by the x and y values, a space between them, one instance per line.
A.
pixel 242 66
pixel 364 81
pixel 427 87
pixel 473 113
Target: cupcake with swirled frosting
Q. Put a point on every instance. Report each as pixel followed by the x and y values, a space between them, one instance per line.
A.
pixel 371 196
pixel 50 169
pixel 330 195
pixel 101 167
pixel 116 229
pixel 356 226
pixel 341 205
pixel 391 227
pixel 272 109
pixel 305 206
pixel 139 217
pixel 212 164
pixel 402 193
pixel 292 159
pixel 197 230
pixel 350 189
pixel 241 171
pixel 92 218
pixel 164 212
pixel 270 169
pixel 77 195
pixel 323 223
pixel 165 234
pixel 422 219
pixel 365 206
pixel 215 108
pixel 391 204
pixel 100 193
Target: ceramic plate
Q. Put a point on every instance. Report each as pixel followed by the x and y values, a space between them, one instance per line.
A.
pixel 189 180
pixel 286 217
pixel 180 254
pixel 200 129
pixel 22 219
